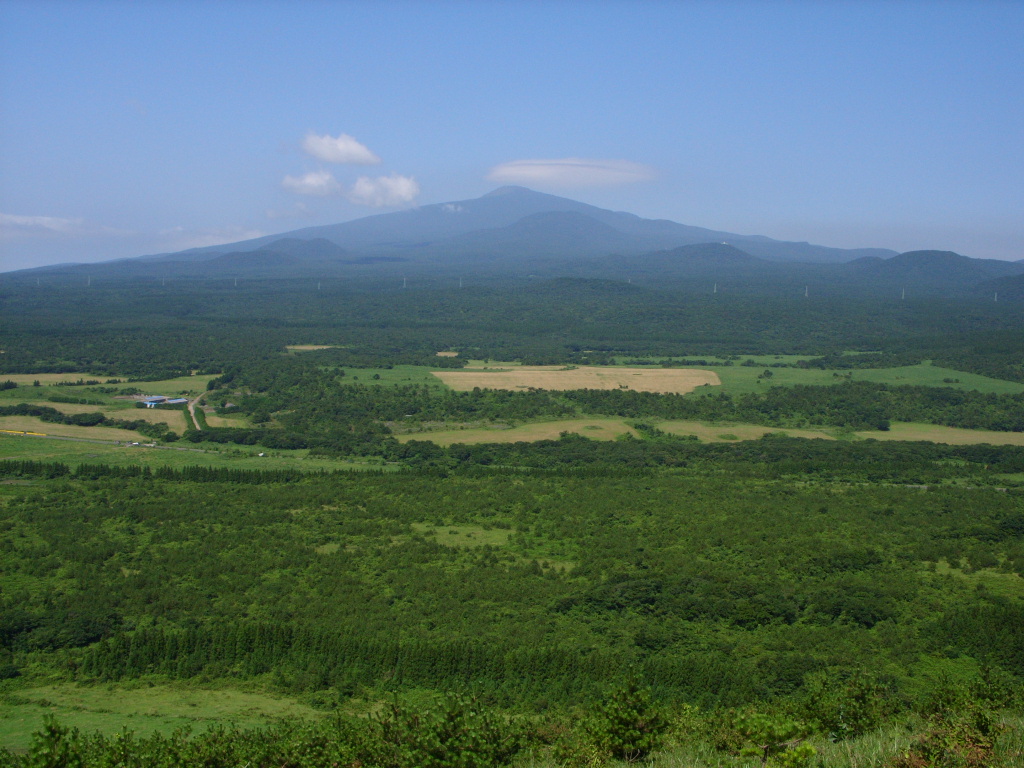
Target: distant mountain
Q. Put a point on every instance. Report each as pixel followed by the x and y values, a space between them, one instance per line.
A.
pixel 930 271
pixel 518 219
pixel 514 232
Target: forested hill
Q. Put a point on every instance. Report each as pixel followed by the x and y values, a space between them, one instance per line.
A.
pixel 152 329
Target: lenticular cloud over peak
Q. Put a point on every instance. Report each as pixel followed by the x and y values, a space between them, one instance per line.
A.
pixel 571 172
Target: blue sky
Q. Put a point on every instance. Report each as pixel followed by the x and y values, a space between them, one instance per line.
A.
pixel 141 127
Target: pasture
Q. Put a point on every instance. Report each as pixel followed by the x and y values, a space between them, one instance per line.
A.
pixel 181 454
pixel 741 379
pixel 551 377
pixel 934 433
pixel 32 424
pixel 235 420
pixel 174 419
pixel 594 428
pixel 144 709
pixel 716 433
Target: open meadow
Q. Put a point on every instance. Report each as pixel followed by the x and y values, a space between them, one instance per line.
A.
pixel 92 450
pixel 936 433
pixel 144 708
pixel 741 379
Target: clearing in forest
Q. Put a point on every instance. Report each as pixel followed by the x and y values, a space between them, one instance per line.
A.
pixel 935 433
pixel 595 429
pixel 664 380
pixel 163 708
pixel 308 347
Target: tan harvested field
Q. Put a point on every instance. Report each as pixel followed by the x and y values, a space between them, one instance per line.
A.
pixel 30 424
pixel 50 378
pixel 68 407
pixel 447 354
pixel 610 428
pixel 173 419
pixel 595 429
pixel 950 435
pixel 677 380
pixel 715 433
pixel 239 421
pixel 308 347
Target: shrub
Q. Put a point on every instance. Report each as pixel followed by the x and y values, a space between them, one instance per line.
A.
pixel 456 733
pixel 627 725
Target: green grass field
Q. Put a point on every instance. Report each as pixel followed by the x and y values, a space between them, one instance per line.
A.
pixel 934 433
pixel 464 535
pixel 395 376
pixel 142 708
pixel 1005 585
pixel 715 433
pixel 739 379
pixel 178 455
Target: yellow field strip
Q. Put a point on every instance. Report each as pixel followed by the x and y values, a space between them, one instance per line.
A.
pixel 28 424
pixel 665 380
pixel 595 429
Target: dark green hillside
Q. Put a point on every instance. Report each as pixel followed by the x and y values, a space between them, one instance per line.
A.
pixel 553 584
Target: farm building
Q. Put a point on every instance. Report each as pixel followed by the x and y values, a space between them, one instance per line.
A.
pixel 153 402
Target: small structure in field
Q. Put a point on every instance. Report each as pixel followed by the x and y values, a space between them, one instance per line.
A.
pixel 153 402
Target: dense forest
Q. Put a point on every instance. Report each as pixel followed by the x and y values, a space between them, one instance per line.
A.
pixel 530 592
pixel 565 602
pixel 146 329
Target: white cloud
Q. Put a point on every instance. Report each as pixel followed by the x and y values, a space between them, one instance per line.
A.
pixel 12 226
pixel 10 223
pixel 384 190
pixel 339 149
pixel 571 172
pixel 320 183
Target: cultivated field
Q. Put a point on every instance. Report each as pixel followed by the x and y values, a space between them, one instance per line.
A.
pixel 235 420
pixel 30 424
pixel 50 378
pixel 933 433
pixel 595 429
pixel 676 380
pixel 173 419
pixel 308 347
pixel 716 433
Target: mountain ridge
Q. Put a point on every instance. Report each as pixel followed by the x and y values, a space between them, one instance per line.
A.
pixel 516 233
